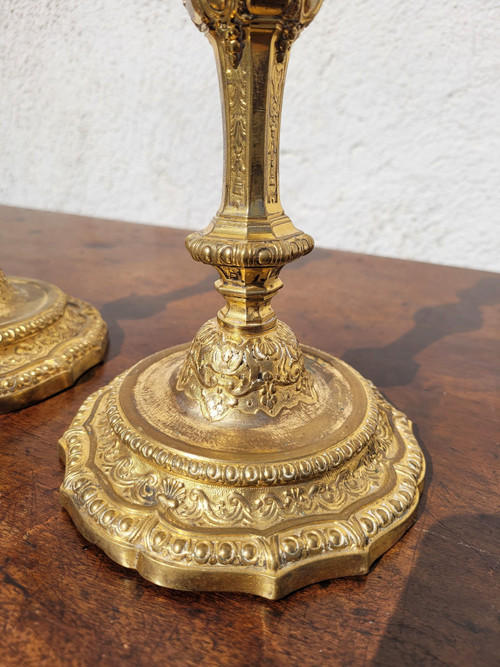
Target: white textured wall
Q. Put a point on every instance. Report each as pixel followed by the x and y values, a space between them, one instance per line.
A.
pixel 391 133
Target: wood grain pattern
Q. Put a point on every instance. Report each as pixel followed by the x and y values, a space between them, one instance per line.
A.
pixel 426 335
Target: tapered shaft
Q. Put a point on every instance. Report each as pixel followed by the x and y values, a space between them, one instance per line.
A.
pixel 251 239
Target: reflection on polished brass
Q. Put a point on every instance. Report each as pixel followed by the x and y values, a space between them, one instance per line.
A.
pixel 47 340
pixel 244 461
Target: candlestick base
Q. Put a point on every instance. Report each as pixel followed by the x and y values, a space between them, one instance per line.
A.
pixel 252 503
pixel 47 340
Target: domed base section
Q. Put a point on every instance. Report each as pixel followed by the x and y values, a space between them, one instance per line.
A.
pixel 252 503
pixel 47 340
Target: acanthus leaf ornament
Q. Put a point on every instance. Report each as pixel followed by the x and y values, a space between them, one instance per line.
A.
pixel 224 371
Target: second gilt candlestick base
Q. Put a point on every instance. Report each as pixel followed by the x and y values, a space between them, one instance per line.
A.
pixel 47 340
pixel 244 461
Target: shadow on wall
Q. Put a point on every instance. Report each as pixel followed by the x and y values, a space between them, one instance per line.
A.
pixel 395 365
pixel 450 605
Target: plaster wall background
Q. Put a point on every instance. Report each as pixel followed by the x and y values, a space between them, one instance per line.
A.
pixel 391 127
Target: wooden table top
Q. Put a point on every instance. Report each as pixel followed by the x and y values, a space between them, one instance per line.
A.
pixel 427 335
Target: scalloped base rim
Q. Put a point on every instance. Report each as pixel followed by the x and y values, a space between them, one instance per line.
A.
pixel 272 587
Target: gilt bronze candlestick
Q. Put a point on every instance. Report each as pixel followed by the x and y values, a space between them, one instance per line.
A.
pixel 244 461
pixel 47 340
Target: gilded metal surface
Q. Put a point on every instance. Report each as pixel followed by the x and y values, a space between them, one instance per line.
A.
pixel 243 461
pixel 47 340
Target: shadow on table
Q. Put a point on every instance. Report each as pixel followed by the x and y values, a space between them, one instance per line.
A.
pixel 143 306
pixel 448 613
pixel 395 365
